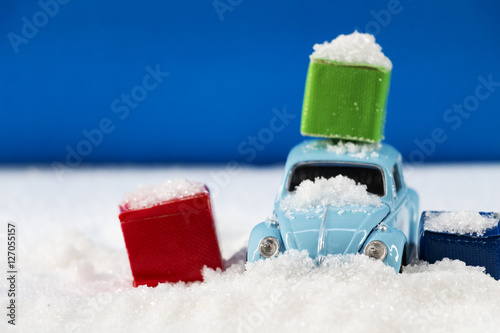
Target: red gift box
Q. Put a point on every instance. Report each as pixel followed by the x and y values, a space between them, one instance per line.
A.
pixel 171 241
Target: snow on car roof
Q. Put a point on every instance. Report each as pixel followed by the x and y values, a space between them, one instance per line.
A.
pixel 344 151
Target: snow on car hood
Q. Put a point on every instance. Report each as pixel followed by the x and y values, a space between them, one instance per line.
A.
pixel 329 216
pixel 336 192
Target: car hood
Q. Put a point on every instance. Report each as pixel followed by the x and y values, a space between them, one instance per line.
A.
pixel 329 230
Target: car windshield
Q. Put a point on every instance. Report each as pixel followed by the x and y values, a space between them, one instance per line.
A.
pixel 370 176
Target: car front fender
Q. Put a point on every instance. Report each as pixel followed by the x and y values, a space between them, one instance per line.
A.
pixel 259 232
pixel 395 240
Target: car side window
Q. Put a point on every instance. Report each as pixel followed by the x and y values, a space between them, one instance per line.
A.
pixel 397 178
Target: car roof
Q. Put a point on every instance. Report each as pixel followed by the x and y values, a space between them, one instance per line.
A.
pixel 332 150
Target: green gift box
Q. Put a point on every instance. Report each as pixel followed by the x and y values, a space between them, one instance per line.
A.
pixel 345 101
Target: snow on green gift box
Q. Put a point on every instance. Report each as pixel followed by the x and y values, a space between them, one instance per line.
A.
pixel 346 89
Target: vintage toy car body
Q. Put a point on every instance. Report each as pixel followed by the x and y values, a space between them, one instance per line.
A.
pixel 388 232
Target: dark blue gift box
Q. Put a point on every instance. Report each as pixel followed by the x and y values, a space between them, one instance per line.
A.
pixel 473 249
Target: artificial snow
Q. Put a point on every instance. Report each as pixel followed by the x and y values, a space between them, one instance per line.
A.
pixel 459 222
pixel 336 191
pixel 361 150
pixel 356 48
pixel 341 147
pixel 74 274
pixel 151 195
pixel 288 294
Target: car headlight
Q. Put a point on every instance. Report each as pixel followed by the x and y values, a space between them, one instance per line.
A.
pixel 376 249
pixel 269 247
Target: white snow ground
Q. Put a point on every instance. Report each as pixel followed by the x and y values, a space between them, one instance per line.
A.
pixel 74 274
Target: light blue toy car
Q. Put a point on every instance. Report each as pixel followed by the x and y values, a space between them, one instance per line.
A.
pixel 386 231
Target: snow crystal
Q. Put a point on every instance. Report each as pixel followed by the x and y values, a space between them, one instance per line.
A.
pixel 356 48
pixel 149 196
pixel 459 222
pixel 336 191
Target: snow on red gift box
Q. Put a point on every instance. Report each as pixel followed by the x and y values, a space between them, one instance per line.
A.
pixel 169 232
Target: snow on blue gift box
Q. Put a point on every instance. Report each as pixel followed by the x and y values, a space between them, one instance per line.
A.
pixel 472 237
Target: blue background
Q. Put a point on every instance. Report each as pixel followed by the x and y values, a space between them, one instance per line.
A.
pixel 228 70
